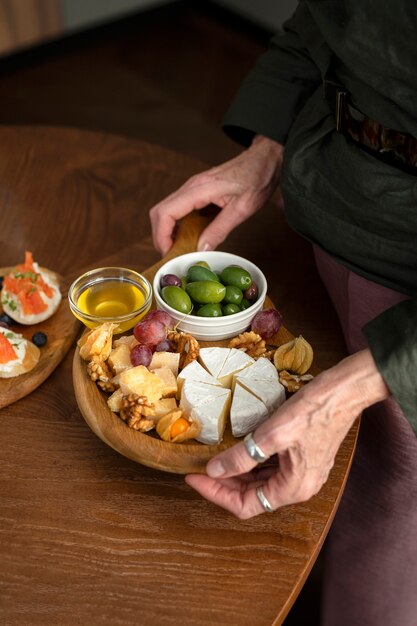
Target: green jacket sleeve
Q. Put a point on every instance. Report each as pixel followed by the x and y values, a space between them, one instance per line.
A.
pixel 276 89
pixel 392 338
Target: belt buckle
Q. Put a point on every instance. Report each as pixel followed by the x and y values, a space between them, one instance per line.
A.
pixel 336 96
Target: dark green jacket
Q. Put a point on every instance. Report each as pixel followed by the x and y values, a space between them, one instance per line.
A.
pixel 360 210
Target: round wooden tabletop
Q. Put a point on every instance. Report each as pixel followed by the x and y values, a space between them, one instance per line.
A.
pixel 89 536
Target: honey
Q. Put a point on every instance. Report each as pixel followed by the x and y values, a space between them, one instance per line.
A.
pixel 111 299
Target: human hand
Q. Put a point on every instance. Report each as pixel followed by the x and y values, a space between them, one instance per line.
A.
pixel 305 432
pixel 240 187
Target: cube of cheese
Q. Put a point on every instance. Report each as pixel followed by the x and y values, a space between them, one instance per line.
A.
pixel 168 379
pixel 128 340
pixel 141 381
pixel 115 400
pixel 119 358
pixel 164 406
pixel 165 359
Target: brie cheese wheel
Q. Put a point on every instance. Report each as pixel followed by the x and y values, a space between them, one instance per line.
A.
pixel 252 387
pixel 209 405
pixel 247 412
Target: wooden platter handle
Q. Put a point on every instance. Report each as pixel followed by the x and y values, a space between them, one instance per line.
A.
pixel 189 229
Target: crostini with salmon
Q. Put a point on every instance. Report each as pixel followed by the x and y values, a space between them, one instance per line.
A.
pixel 17 354
pixel 30 294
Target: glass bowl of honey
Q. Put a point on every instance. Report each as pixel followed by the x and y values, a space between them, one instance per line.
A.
pixel 110 294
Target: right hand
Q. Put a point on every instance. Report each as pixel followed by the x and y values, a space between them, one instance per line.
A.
pixel 240 187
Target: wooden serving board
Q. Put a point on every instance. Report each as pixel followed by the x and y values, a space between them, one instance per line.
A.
pixel 61 329
pixel 147 448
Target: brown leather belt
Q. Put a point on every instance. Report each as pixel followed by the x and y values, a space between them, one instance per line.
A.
pixel 392 146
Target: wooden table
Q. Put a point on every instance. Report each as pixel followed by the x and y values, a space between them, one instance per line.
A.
pixel 87 536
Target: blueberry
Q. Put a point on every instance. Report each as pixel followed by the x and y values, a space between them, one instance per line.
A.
pixel 6 319
pixel 39 339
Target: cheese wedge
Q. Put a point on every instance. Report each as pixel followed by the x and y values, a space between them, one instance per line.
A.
pixel 213 359
pixel 261 379
pixel 209 405
pixel 247 412
pixel 236 361
pixel 195 371
pixel 262 369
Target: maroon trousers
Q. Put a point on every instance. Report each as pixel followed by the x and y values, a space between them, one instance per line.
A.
pixel 371 553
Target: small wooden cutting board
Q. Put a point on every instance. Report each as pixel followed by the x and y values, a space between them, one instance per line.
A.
pixel 61 329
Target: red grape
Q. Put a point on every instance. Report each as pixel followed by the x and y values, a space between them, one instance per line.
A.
pixel 165 346
pixel 160 316
pixel 251 292
pixel 266 323
pixel 170 280
pixel 141 355
pixel 149 332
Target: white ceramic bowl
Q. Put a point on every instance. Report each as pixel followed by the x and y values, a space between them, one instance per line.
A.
pixel 211 328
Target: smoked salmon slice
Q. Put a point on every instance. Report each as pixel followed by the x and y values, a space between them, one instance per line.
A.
pixel 7 352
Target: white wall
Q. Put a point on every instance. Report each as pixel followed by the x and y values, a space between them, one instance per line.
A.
pixel 77 14
pixel 268 13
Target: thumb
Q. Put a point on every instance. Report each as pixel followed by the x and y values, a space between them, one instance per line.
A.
pixel 234 461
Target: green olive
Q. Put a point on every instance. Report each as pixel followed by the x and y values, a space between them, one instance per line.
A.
pixel 230 309
pixel 245 304
pixel 177 298
pixel 233 295
pixel 198 272
pixel 206 291
pixel 210 310
pixel 203 264
pixel 236 276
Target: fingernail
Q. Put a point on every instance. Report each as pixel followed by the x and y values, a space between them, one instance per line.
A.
pixel 215 469
pixel 204 247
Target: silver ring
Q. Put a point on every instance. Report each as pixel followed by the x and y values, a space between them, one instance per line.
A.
pixel 254 450
pixel 266 505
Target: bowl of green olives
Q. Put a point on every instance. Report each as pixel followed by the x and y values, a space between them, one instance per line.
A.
pixel 212 295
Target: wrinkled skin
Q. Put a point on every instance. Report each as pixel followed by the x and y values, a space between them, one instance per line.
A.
pixel 240 187
pixel 306 431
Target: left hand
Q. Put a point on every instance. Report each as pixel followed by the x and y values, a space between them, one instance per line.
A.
pixel 305 432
